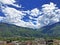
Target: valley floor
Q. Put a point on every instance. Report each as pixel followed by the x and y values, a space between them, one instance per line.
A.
pixel 37 41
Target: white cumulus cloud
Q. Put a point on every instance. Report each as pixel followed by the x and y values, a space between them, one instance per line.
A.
pixel 34 12
pixel 7 1
pixel 48 14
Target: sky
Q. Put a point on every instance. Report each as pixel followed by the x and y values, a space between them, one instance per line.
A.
pixel 30 13
pixel 30 4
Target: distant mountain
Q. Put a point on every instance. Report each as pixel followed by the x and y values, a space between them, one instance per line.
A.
pixel 9 30
pixel 51 30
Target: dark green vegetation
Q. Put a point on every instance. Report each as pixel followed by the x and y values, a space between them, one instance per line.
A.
pixel 7 30
pixel 51 31
pixel 17 38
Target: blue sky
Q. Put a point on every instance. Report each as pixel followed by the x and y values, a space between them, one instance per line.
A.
pixel 30 13
pixel 30 4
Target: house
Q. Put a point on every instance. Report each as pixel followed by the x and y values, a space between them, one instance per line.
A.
pixel 2 42
pixel 56 42
pixel 49 42
pixel 40 41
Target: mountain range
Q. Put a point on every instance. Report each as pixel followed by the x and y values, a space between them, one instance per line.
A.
pixel 9 30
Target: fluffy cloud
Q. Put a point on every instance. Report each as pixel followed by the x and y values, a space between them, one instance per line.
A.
pixel 35 12
pixel 1 18
pixel 49 14
pixel 7 1
pixel 10 2
pixel 49 7
pixel 14 16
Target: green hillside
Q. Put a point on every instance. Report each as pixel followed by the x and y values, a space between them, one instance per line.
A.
pixel 52 30
pixel 9 30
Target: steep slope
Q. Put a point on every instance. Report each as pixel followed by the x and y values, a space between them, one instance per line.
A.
pixel 9 30
pixel 52 30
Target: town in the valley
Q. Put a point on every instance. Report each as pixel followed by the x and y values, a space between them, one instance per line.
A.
pixel 37 41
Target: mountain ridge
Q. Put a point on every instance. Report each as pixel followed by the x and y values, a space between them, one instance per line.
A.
pixel 9 30
pixel 52 30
